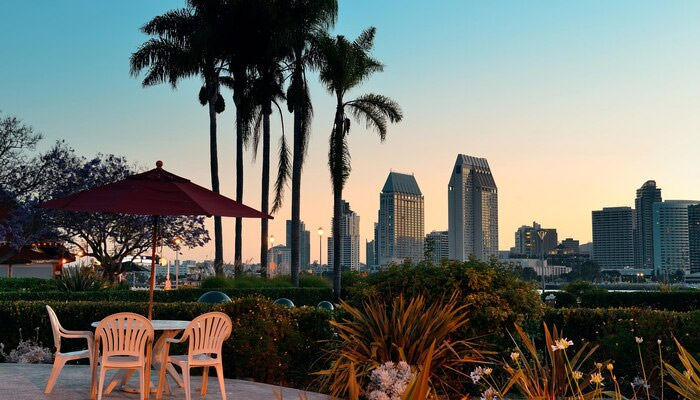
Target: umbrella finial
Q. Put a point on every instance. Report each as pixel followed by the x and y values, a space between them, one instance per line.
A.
pixel 159 164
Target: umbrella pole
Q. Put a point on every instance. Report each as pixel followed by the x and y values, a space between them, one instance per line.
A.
pixel 153 267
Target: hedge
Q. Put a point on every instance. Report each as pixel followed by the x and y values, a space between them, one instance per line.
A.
pixel 300 296
pixel 271 344
pixel 687 300
pixel 26 284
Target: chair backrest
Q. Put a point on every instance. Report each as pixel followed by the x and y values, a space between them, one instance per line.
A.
pixel 207 334
pixel 124 334
pixel 55 327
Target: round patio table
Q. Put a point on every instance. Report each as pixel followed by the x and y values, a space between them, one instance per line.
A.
pixel 169 329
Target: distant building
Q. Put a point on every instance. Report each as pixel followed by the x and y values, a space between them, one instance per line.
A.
pixel 437 247
pixel 671 244
pixel 369 254
pixel 571 244
pixel 304 243
pixel 472 210
pixel 694 237
pixel 586 248
pixel 522 263
pixel 647 195
pixel 528 243
pixel 349 240
pixel 613 246
pixel 400 231
pixel 279 260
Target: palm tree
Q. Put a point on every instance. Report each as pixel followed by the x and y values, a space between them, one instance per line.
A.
pixel 308 19
pixel 187 43
pixel 344 65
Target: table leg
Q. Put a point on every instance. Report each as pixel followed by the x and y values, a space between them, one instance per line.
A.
pixel 159 355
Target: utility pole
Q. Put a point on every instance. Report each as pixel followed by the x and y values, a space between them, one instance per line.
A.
pixel 542 233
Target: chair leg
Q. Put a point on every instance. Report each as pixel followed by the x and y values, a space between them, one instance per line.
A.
pixel 205 378
pixel 222 384
pixel 186 381
pixel 101 383
pixel 58 364
pixel 143 387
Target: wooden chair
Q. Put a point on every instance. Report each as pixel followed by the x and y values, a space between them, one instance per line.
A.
pixel 126 340
pixel 205 336
pixel 60 358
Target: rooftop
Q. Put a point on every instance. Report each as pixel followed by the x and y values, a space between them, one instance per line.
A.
pixel 401 183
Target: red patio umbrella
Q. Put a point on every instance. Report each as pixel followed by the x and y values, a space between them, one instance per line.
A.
pixel 156 193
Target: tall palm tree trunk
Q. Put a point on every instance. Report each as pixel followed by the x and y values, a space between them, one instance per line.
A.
pixel 264 207
pixel 337 198
pixel 214 161
pixel 296 193
pixel 240 126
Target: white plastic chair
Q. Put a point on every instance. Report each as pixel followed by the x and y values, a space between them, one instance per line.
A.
pixel 125 340
pixel 205 336
pixel 60 359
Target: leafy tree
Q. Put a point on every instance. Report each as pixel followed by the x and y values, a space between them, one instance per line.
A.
pixel 308 20
pixel 343 65
pixel 187 42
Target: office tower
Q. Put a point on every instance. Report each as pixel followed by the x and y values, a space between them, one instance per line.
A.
pixel 570 244
pixel 472 210
pixel 694 237
pixel 437 247
pixel 613 246
pixel 647 195
pixel 670 227
pixel 528 243
pixel 400 231
pixel 369 253
pixel 349 239
pixel 376 244
pixel 304 243
pixel 279 259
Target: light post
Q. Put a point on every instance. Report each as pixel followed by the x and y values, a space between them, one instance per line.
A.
pixel 542 233
pixel 320 249
pixel 272 248
pixel 165 263
pixel 178 242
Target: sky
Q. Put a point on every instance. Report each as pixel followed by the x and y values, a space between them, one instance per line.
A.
pixel 575 104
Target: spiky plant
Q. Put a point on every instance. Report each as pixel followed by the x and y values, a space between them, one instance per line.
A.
pixel 686 383
pixel 405 330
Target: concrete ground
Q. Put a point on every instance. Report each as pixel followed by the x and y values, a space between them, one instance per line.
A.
pixel 27 382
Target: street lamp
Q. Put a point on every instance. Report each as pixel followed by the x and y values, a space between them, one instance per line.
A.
pixel 542 233
pixel 320 248
pixel 178 241
pixel 164 262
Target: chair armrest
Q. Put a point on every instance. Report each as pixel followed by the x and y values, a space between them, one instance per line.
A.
pixel 77 335
pixel 173 340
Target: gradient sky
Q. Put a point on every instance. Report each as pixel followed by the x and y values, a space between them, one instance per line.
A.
pixel 574 104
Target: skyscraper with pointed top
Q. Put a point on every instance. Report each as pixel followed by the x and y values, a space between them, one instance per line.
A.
pixel 472 210
pixel 647 195
pixel 400 231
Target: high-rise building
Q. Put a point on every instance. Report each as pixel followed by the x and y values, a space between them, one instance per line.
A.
pixel 400 231
pixel 613 246
pixel 529 244
pixel 694 237
pixel 647 195
pixel 472 210
pixel 369 253
pixel 304 243
pixel 671 245
pixel 349 239
pixel 279 259
pixel 437 247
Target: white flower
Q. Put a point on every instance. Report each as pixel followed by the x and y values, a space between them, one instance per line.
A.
pixel 638 340
pixel 488 371
pixel 514 356
pixel 578 375
pixel 658 341
pixel 561 344
pixel 476 374
pixel 389 381
pixel 597 378
pixel 489 394
pixel 687 374
pixel 639 382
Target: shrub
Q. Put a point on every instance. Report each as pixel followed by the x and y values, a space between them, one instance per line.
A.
pixel 269 343
pixel 687 300
pixel 379 333
pixel 300 296
pixel 26 285
pixel 80 280
pixel 562 299
pixel 496 298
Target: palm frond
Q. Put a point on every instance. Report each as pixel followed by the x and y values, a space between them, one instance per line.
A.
pixel 376 110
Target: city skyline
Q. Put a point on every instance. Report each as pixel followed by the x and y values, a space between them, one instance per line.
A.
pixel 555 115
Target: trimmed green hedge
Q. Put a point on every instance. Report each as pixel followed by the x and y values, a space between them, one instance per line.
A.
pixel 687 300
pixel 300 296
pixel 26 284
pixel 269 343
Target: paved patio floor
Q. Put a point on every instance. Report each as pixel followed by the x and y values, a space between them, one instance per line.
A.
pixel 27 382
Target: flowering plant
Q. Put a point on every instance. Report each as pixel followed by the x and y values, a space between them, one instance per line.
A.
pixel 389 381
